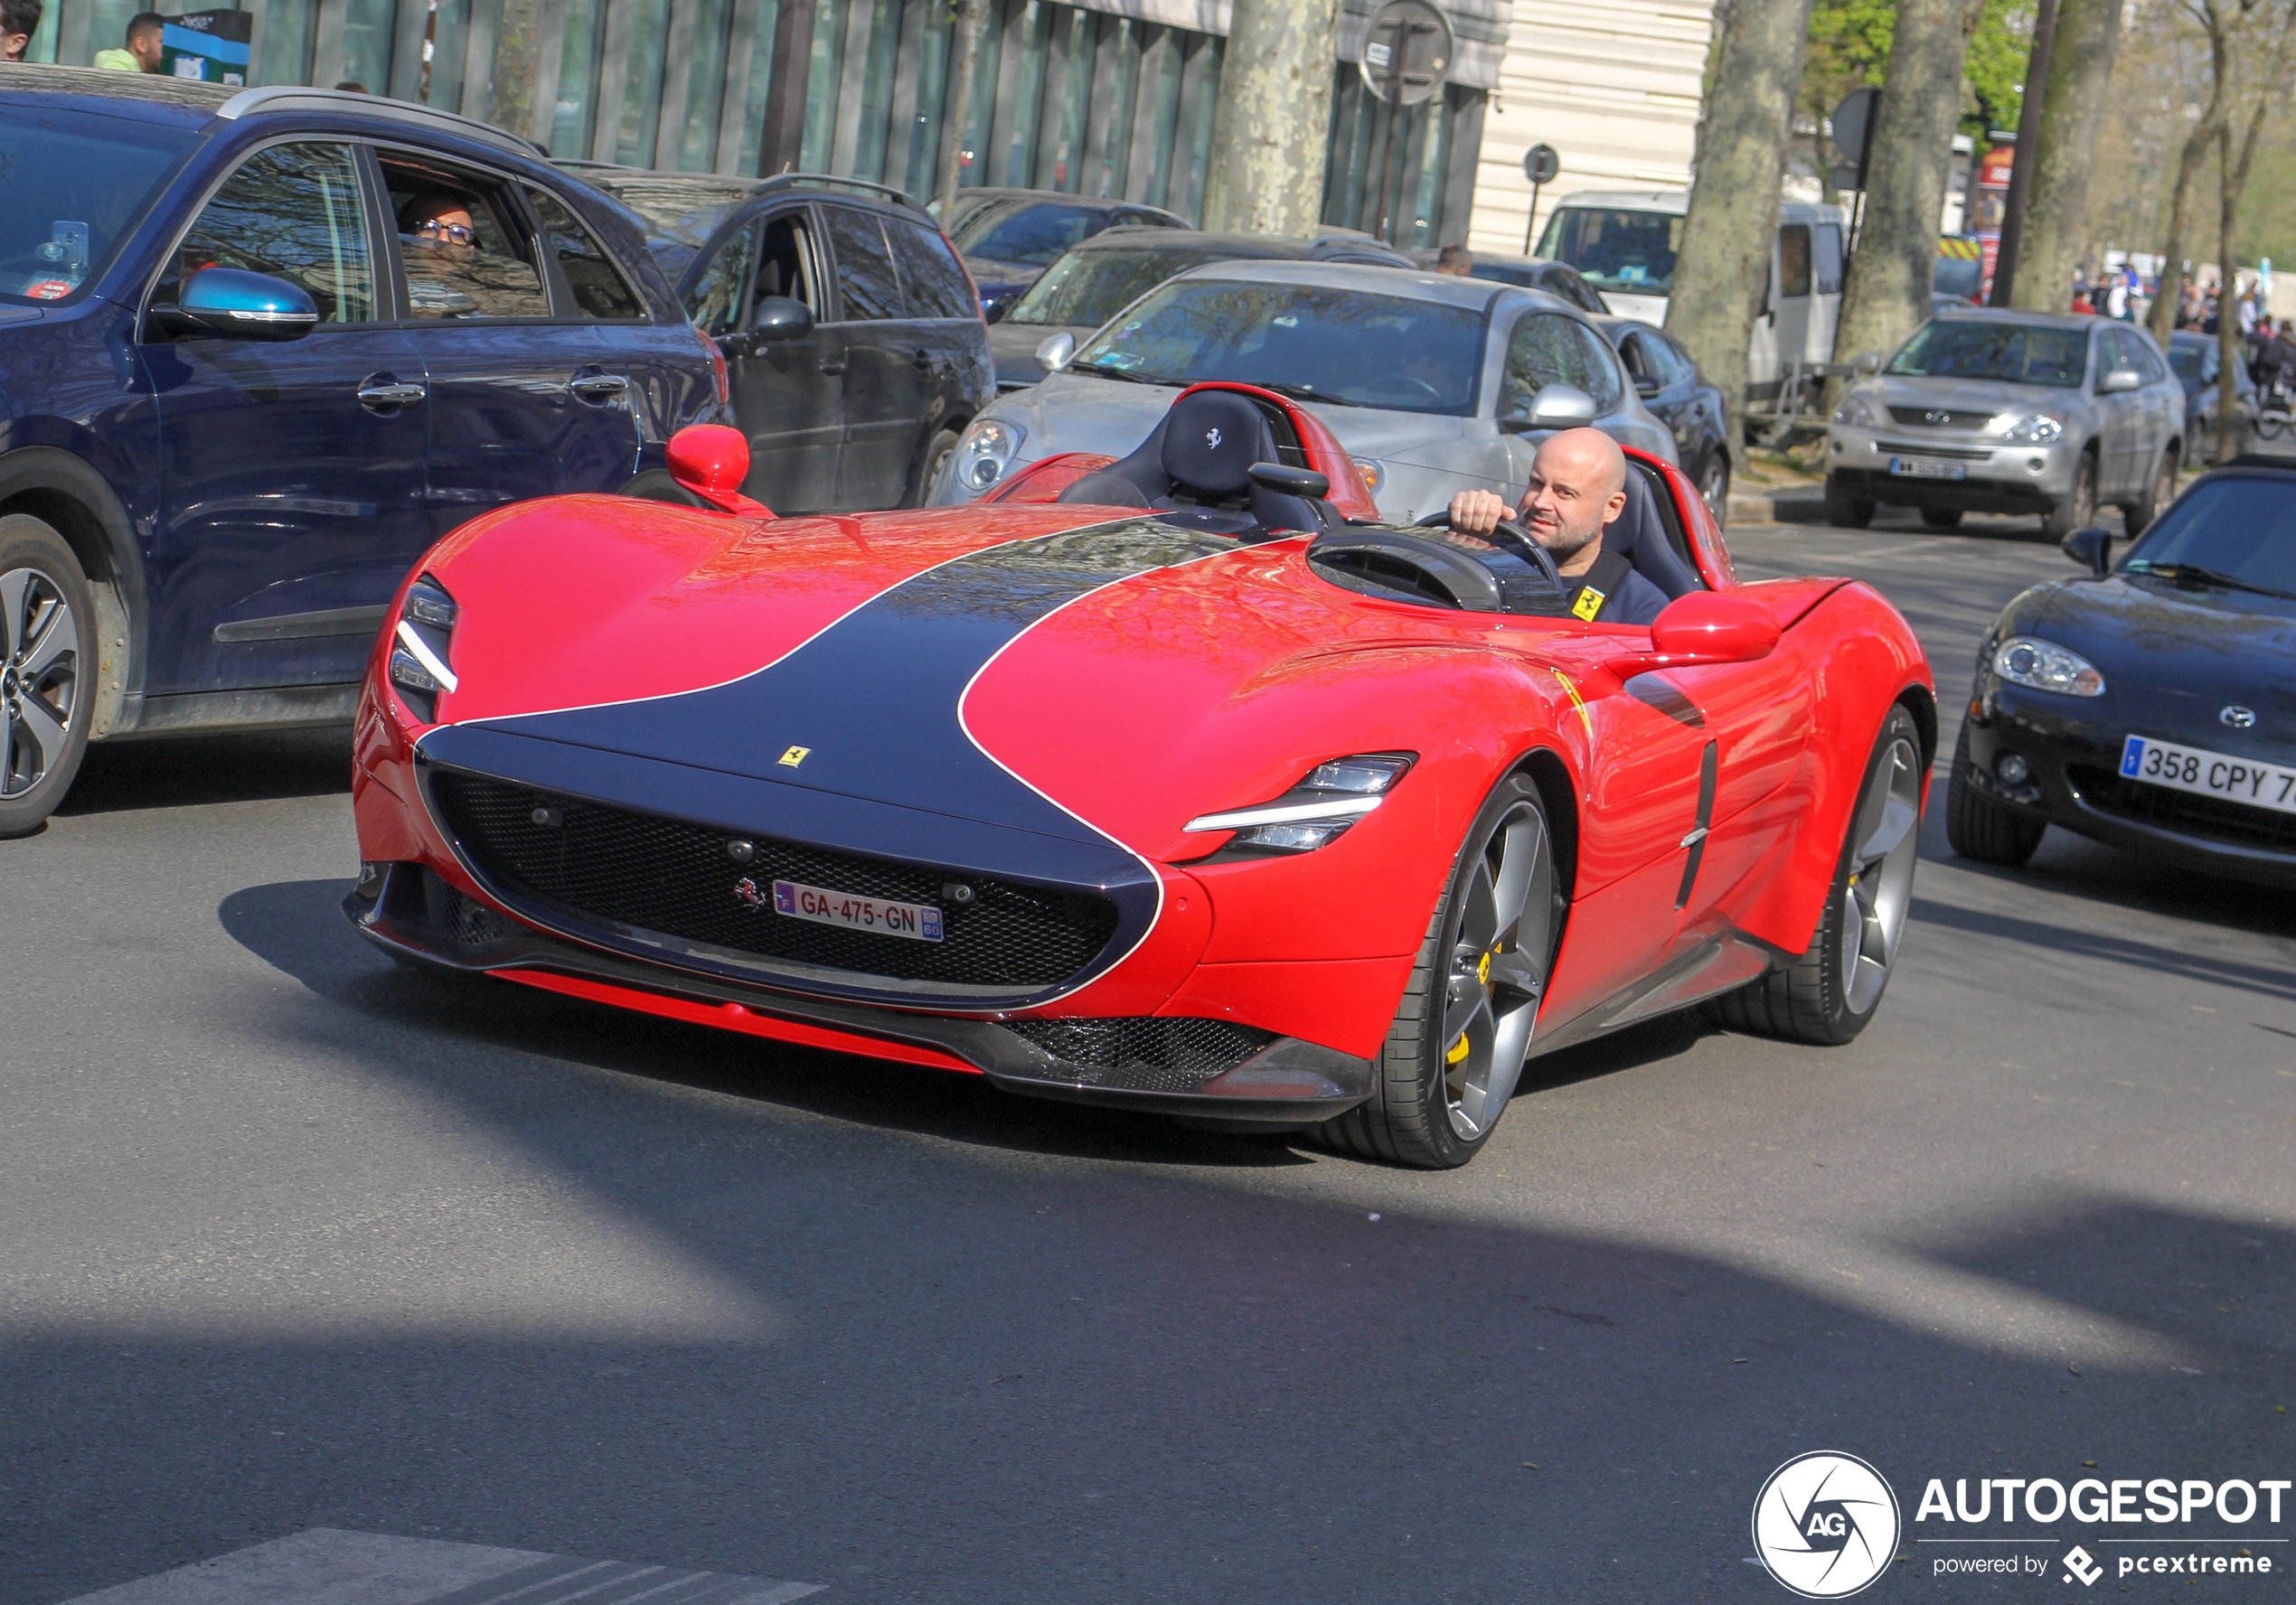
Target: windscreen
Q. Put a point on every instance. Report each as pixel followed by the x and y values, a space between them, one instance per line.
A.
pixel 71 184
pixel 1034 234
pixel 1087 288
pixel 2014 353
pixel 2241 527
pixel 1616 248
pixel 1318 343
pixel 679 217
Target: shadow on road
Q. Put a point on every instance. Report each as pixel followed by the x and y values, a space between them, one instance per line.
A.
pixel 178 771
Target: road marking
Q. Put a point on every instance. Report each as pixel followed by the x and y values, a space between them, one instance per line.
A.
pixel 329 1566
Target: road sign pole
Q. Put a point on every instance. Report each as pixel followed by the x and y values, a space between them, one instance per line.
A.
pixel 1530 223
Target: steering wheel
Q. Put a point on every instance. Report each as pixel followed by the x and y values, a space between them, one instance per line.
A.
pixel 1512 535
pixel 1389 382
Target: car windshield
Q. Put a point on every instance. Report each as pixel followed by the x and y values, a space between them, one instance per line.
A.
pixel 1034 233
pixel 71 184
pixel 1616 249
pixel 2014 353
pixel 1089 287
pixel 680 216
pixel 1319 342
pixel 2242 528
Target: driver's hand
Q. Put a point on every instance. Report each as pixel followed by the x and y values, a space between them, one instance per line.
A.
pixel 1476 513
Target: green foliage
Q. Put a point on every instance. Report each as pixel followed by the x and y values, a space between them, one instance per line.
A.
pixel 1850 43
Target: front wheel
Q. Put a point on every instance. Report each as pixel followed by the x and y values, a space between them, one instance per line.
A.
pixel 2158 495
pixel 1845 511
pixel 1714 486
pixel 1982 829
pixel 1941 518
pixel 47 671
pixel 930 466
pixel 2077 509
pixel 1830 993
pixel 1457 1047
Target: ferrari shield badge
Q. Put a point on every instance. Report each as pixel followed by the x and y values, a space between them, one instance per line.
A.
pixel 1589 604
pixel 795 756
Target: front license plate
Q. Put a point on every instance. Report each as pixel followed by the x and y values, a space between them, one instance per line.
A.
pixel 1922 468
pixel 825 907
pixel 2212 775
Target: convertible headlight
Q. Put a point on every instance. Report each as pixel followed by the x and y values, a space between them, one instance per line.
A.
pixel 1857 412
pixel 2024 661
pixel 1314 813
pixel 986 452
pixel 420 661
pixel 2039 429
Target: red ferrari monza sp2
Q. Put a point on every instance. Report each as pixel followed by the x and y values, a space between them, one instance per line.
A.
pixel 1176 783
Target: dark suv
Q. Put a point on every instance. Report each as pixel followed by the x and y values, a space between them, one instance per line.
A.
pixel 1008 237
pixel 852 332
pixel 258 352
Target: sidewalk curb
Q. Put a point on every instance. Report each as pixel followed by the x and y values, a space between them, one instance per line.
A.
pixel 1792 506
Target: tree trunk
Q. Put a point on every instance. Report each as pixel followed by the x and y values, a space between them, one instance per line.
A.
pixel 1887 294
pixel 2051 238
pixel 2235 179
pixel 2171 295
pixel 518 59
pixel 1273 124
pixel 1724 259
pixel 958 123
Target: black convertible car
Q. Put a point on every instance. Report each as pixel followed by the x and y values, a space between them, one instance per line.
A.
pixel 2153 704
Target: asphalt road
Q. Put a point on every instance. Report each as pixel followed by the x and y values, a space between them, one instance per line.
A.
pixel 289 1239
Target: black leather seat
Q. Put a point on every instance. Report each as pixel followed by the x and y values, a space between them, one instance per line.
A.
pixel 1195 469
pixel 1639 536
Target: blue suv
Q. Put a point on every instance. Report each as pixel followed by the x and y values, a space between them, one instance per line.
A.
pixel 259 349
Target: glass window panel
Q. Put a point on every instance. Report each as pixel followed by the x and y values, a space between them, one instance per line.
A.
pixel 1794 261
pixel 1020 106
pixel 1116 79
pixel 705 85
pixel 71 184
pixel 107 22
pixel 1076 39
pixel 642 83
pixel 1829 268
pixel 365 57
pixel 921 138
pixel 599 289
pixel 1150 179
pixel 576 80
pixel 1548 349
pixel 864 265
pixel 972 157
pixel 874 108
pixel 462 245
pixel 287 44
pixel 931 285
pixel 1192 143
pixel 715 302
pixel 292 210
pixel 822 79
pixel 744 157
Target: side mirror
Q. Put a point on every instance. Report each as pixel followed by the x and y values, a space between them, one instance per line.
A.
pixel 711 461
pixel 993 309
pixel 1713 628
pixel 2091 549
pixel 1646 387
pixel 781 317
pixel 1556 407
pixel 1305 482
pixel 2118 382
pixel 1869 362
pixel 1054 351
pixel 240 305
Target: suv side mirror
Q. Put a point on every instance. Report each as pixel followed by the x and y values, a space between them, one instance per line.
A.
pixel 2118 381
pixel 2091 549
pixel 1555 407
pixel 780 317
pixel 1869 362
pixel 240 305
pixel 1054 351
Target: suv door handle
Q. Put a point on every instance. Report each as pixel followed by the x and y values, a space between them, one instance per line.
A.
pixel 380 392
pixel 926 360
pixel 833 364
pixel 596 387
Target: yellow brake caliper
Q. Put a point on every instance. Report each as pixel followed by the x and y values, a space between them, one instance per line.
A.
pixel 1458 1050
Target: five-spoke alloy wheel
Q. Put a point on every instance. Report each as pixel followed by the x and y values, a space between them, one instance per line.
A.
pixel 45 688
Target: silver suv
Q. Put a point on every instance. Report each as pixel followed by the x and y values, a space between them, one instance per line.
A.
pixel 1991 412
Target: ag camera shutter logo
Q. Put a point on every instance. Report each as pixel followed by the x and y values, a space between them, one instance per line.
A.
pixel 1826 1525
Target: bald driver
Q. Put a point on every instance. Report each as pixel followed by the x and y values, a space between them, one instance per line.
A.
pixel 1577 486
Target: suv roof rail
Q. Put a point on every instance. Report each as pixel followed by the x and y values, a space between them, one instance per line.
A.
pixel 305 98
pixel 787 181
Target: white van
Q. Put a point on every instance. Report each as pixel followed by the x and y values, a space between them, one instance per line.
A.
pixel 1622 242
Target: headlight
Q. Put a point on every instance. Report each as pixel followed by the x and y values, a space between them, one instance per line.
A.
pixel 2039 429
pixel 986 452
pixel 1857 412
pixel 1314 813
pixel 421 663
pixel 2026 662
pixel 1374 471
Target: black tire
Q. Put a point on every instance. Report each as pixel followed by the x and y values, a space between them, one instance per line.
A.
pixel 1941 518
pixel 1423 1107
pixel 1830 993
pixel 1714 485
pixel 2158 495
pixel 2076 510
pixel 47 671
pixel 937 453
pixel 1845 511
pixel 1982 829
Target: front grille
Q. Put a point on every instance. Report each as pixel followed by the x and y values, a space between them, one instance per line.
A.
pixel 1940 417
pixel 1151 1055
pixel 1923 448
pixel 600 864
pixel 2208 817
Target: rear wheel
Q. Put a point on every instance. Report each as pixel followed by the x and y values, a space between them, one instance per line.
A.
pixel 937 453
pixel 1941 518
pixel 2076 510
pixel 1831 991
pixel 1845 511
pixel 1980 829
pixel 47 671
pixel 1457 1046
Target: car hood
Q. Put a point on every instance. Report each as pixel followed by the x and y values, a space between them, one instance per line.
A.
pixel 1014 348
pixel 2173 659
pixel 1974 395
pixel 990 274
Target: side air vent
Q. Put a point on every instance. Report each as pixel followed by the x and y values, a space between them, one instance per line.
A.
pixel 1147 1054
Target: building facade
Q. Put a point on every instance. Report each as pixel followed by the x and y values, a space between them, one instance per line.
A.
pixel 1107 97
